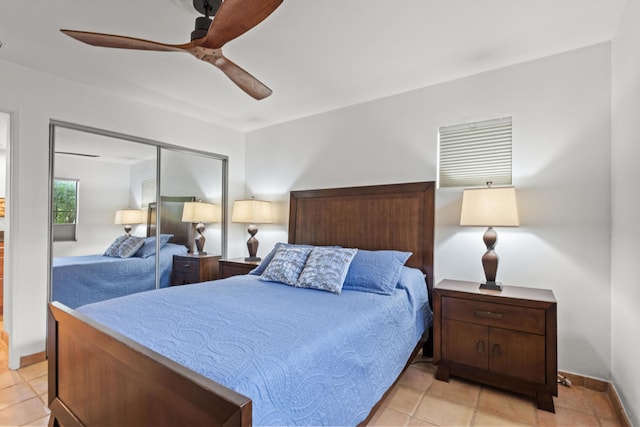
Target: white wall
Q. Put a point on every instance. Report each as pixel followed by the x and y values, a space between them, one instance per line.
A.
pixel 561 167
pixel 33 98
pixel 625 196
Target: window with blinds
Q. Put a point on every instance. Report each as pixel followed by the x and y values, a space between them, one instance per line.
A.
pixel 473 153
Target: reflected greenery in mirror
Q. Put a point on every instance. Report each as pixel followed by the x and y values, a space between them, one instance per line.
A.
pixel 65 209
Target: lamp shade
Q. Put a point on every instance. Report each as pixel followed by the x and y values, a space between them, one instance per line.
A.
pixel 489 207
pixel 129 216
pixel 200 212
pixel 252 211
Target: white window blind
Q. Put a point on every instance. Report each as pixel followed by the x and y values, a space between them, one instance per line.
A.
pixel 473 153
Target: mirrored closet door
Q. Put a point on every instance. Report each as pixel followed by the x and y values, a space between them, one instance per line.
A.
pixel 109 235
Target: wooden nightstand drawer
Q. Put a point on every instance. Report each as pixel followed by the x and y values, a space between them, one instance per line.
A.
pixel 232 270
pixel 188 269
pixel 499 315
pixel 236 267
pixel 186 265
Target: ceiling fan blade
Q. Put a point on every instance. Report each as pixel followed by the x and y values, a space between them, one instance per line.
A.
pixel 122 42
pixel 236 17
pixel 245 81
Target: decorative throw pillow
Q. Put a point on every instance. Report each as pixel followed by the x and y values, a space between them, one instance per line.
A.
pixel 267 259
pixel 130 246
pixel 112 250
pixel 326 269
pixel 375 271
pixel 149 246
pixel 286 265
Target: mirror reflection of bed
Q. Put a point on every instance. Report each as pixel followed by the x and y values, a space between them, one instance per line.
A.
pixel 80 280
pixel 116 172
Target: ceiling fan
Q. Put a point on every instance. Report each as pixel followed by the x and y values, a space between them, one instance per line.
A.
pixel 232 19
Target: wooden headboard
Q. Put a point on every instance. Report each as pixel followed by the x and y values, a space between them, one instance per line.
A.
pixel 171 220
pixel 396 216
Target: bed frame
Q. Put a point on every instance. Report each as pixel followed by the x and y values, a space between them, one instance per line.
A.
pixel 99 377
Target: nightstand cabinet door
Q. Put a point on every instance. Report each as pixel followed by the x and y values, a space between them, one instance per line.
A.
pixel 517 354
pixel 465 343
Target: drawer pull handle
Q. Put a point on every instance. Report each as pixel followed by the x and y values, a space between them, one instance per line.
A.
pixel 496 349
pixel 488 314
pixel 186 265
pixel 480 347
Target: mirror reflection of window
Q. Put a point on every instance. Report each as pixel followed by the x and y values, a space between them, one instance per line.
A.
pixel 111 170
pixel 65 209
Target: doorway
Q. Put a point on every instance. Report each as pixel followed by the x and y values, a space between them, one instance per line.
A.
pixel 5 121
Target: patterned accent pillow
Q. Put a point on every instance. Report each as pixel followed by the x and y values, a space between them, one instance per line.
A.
pixel 267 259
pixel 286 265
pixel 326 269
pixel 130 247
pixel 112 250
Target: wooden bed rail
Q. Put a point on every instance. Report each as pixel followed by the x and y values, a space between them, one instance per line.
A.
pixel 108 379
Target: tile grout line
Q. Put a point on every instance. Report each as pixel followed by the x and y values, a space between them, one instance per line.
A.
pixel 11 407
pixel 37 396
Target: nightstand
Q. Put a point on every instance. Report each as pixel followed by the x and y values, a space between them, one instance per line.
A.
pixel 503 339
pixel 236 266
pixel 194 269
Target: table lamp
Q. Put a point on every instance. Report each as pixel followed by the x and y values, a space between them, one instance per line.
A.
pixel 252 212
pixel 127 217
pixel 200 213
pixel 489 207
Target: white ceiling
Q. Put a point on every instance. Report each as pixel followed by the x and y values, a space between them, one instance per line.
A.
pixel 99 148
pixel 316 55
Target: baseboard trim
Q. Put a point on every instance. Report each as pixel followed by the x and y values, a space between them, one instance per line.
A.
pixel 602 387
pixel 617 406
pixel 32 359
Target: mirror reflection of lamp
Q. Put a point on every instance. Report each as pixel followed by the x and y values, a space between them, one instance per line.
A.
pixel 129 217
pixel 252 212
pixel 489 207
pixel 200 213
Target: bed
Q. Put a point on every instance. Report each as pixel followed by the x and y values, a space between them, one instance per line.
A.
pixel 80 280
pixel 100 375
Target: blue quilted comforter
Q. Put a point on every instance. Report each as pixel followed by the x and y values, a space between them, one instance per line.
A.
pixel 86 279
pixel 303 356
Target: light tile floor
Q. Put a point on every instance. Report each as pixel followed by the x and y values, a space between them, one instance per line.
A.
pixel 417 400
pixel 420 400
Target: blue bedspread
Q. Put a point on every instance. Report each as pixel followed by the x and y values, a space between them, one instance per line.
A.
pixel 303 356
pixel 86 279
